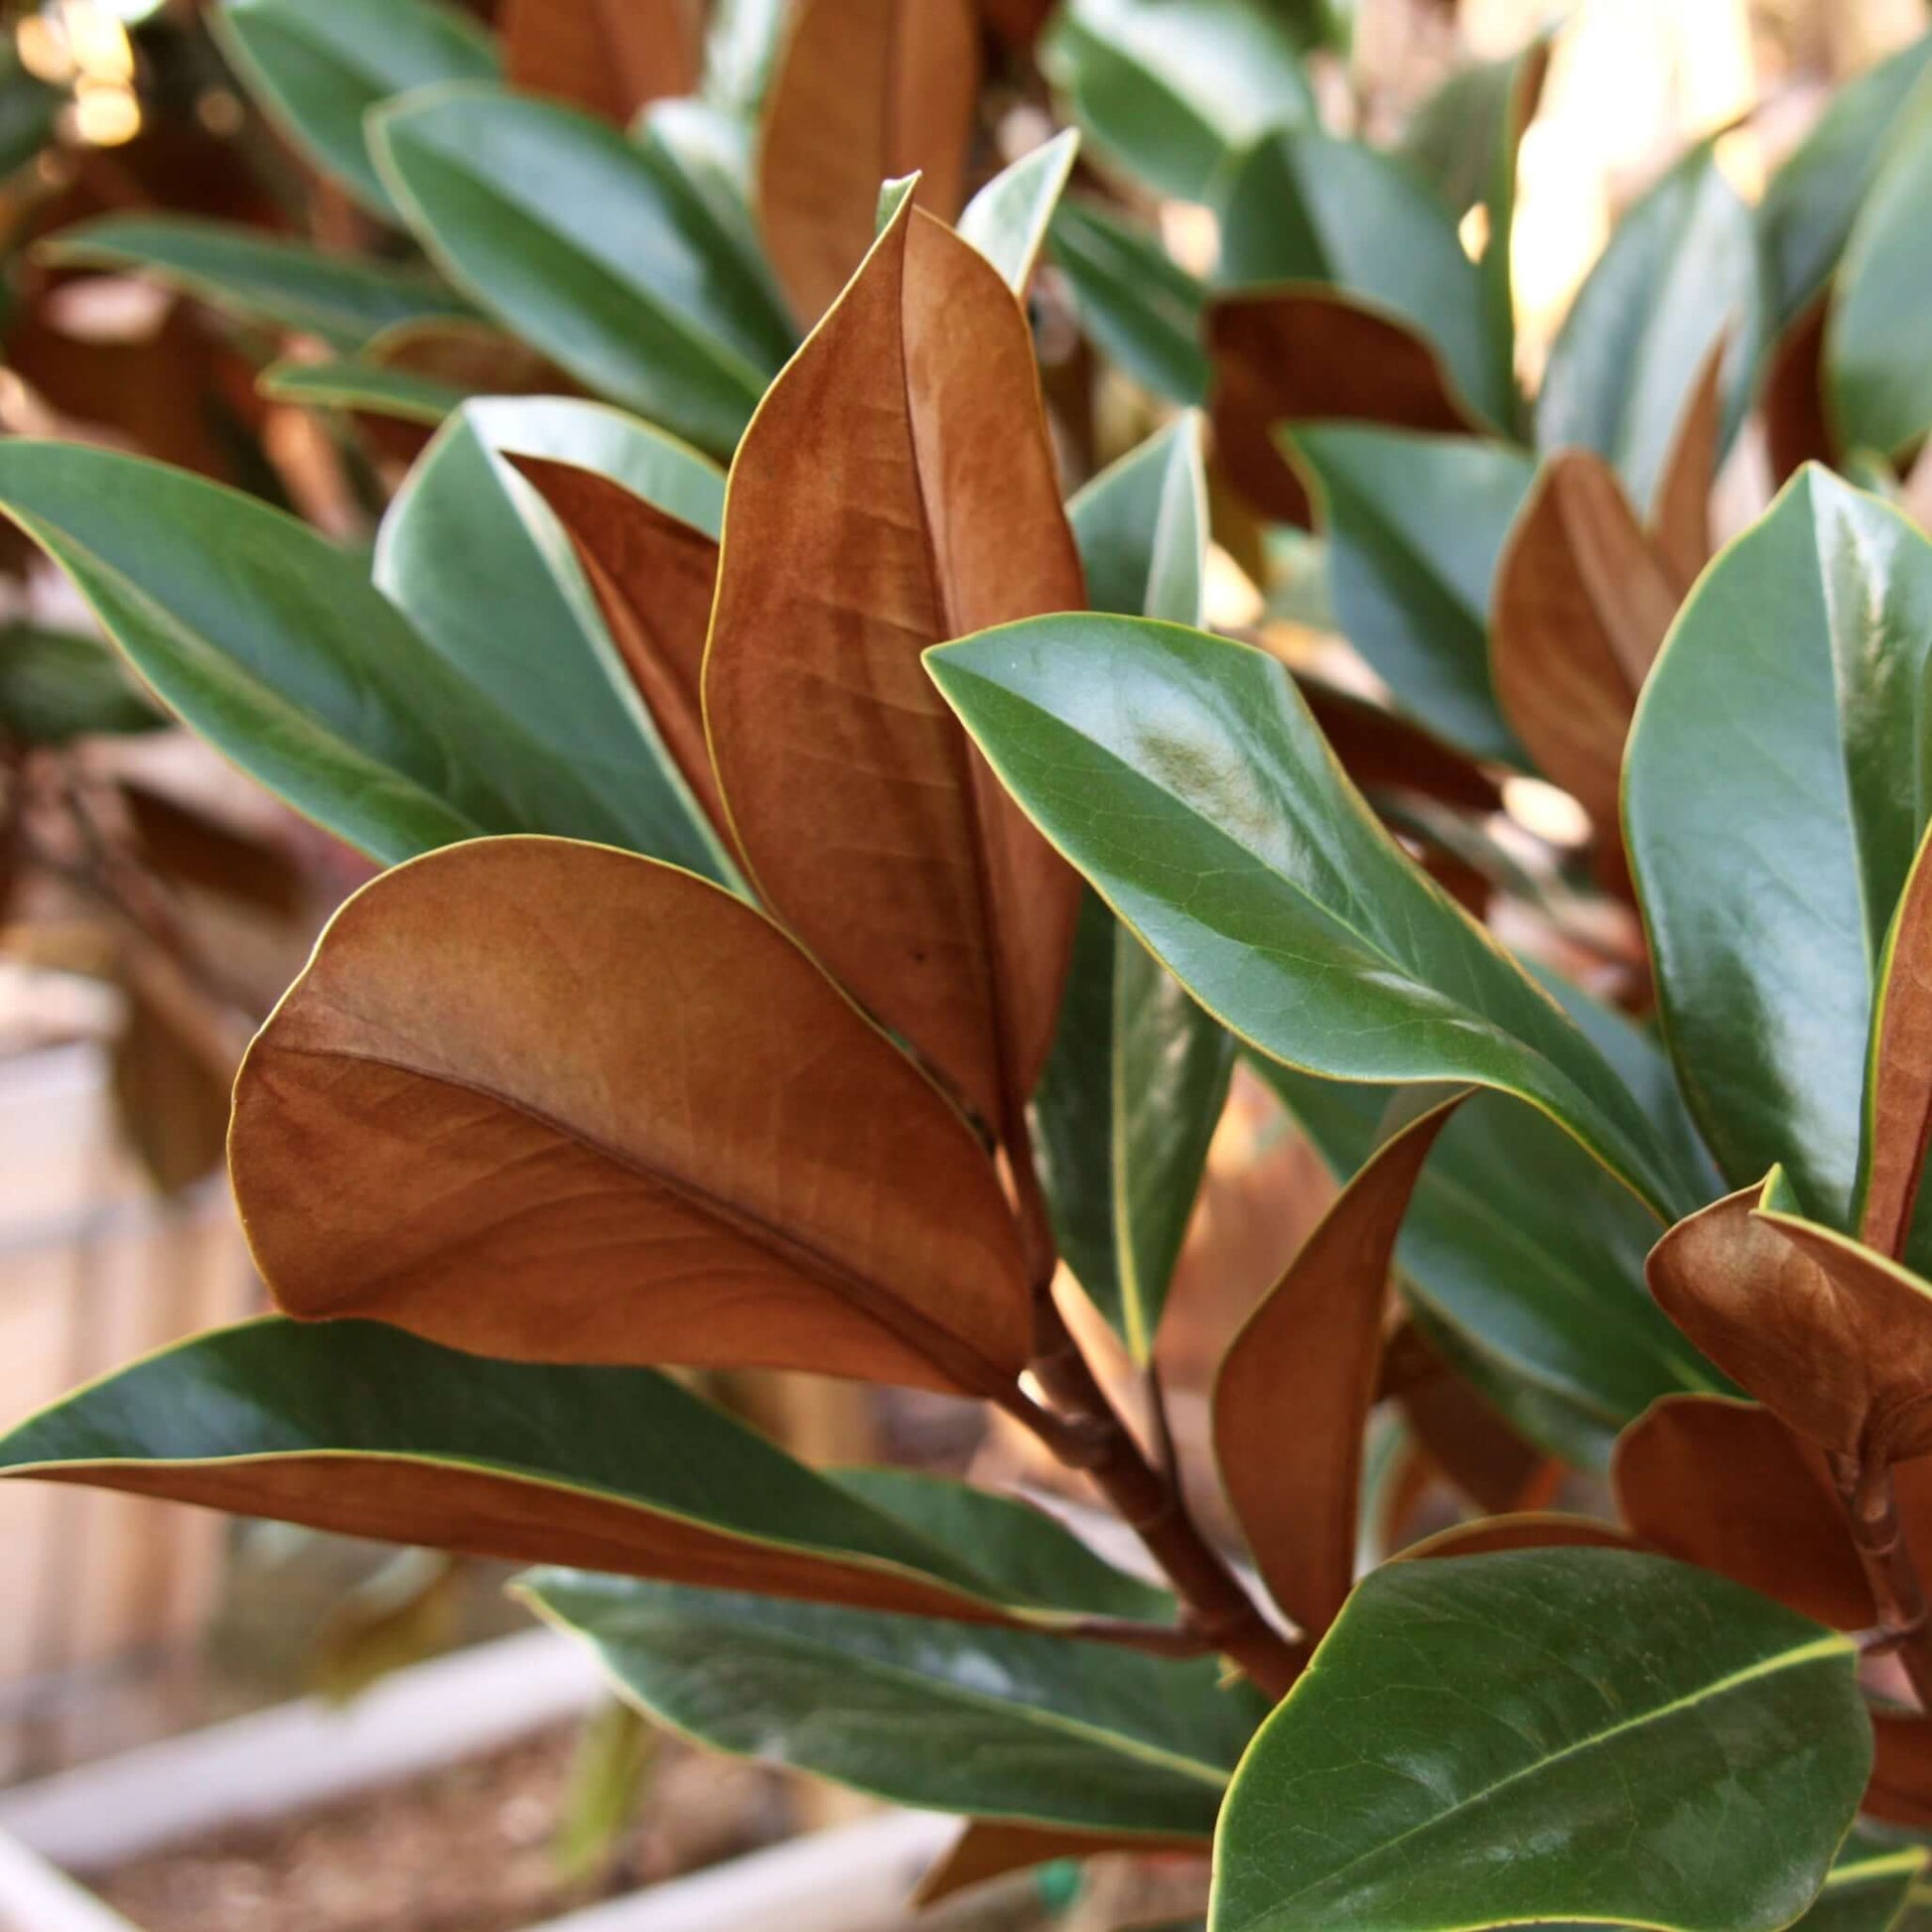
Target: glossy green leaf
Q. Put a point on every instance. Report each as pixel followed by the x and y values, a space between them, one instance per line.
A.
pixel 1007 219
pixel 1878 383
pixel 358 1427
pixel 711 151
pixel 1169 96
pixel 1867 1887
pixel 1681 270
pixel 1022 1555
pixel 1185 777
pixel 1525 1260
pixel 258 278
pixel 591 249
pixel 1774 796
pixel 1140 306
pixel 1415 525
pixel 1309 207
pixel 1812 200
pixel 947 1716
pixel 1138 1074
pixel 58 685
pixel 317 69
pixel 1549 1734
pixel 351 383
pixel 471 556
pixel 273 644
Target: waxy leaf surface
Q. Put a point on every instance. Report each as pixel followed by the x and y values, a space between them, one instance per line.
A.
pixel 318 70
pixel 592 248
pixel 865 92
pixel 1772 807
pixel 947 1716
pixel 1296 1386
pixel 896 490
pixel 1008 219
pixel 357 1427
pixel 1140 306
pixel 640 1126
pixel 1549 1734
pixel 1898 1079
pixel 1185 777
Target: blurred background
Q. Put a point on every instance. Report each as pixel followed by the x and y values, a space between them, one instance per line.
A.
pixel 153 905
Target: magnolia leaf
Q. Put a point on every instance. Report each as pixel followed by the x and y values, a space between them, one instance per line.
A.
pixel 472 560
pixel 1831 1337
pixel 355 1427
pixel 990 1849
pixel 1680 274
pixel 591 246
pixel 1008 219
pixel 1308 208
pixel 1173 99
pixel 1414 526
pixel 1520 1247
pixel 1487 1536
pixel 1791 398
pixel 1549 1734
pixel 1812 201
pixel 1130 1096
pixel 354 383
pixel 1582 602
pixel 1304 354
pixel 60 685
pixel 1679 520
pixel 768 1179
pixel 1011 1725
pixel 867 90
pixel 608 57
pixel 1183 775
pixel 1771 839
pixel 186 847
pixel 281 284
pixel 1142 309
pixel 1869 1885
pixel 1876 388
pixel 1294 1391
pixel 1725 1484
pixel 1898 1080
pixel 655 574
pixel 1900 1792
pixel 272 644
pixel 896 490
pixel 1384 753
pixel 316 70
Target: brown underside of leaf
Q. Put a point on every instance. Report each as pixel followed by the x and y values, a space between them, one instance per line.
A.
pixel 1680 518
pixel 608 57
pixel 1531 1530
pixel 480 1514
pixel 1725 1484
pixel 1384 753
pixel 1812 1325
pixel 1796 428
pixel 1582 604
pixel 1295 1389
pixel 551 1102
pixel 1311 355
pixel 1902 1097
pixel 866 91
pixel 654 579
pixel 991 1848
pixel 1463 1436
pixel 896 489
pixel 1900 1791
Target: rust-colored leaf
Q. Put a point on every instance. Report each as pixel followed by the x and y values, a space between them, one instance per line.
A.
pixel 608 57
pixel 1832 1337
pixel 654 578
pixel 1296 1386
pixel 1679 519
pixel 1899 1099
pixel 896 488
pixel 1900 1791
pixel 1384 753
pixel 1582 604
pixel 1473 1446
pixel 1309 355
pixel 990 1848
pixel 1017 22
pixel 1796 428
pixel 866 91
pixel 1531 1530
pixel 1725 1484
pixel 188 848
pixel 551 1102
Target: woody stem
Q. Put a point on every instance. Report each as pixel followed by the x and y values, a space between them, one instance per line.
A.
pixel 1871 1510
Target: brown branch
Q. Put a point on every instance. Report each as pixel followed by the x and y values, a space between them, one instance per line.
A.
pixel 1156 1640
pixel 1871 1510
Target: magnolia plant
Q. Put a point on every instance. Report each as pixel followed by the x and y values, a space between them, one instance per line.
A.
pixel 828 894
